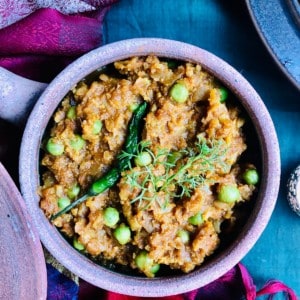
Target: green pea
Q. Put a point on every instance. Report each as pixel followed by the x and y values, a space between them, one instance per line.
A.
pixel 97 126
pixel 143 159
pixel 63 202
pixel 77 143
pixel 122 234
pixel 143 261
pixel 71 114
pixel 77 245
pixel 224 94
pixel 229 194
pixel 155 268
pixel 184 236
pixel 54 148
pixel 179 92
pixel 111 216
pixel 196 219
pixel 251 176
pixel 73 191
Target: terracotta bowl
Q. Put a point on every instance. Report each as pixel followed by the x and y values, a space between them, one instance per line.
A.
pixel 228 255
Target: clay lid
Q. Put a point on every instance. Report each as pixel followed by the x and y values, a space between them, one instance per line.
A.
pixel 23 269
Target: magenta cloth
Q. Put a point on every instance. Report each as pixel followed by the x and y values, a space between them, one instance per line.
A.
pixel 40 45
pixel 236 284
pixel 12 11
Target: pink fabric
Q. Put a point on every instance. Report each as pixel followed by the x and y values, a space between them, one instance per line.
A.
pixel 12 11
pixel 49 32
pixel 273 287
pixel 115 296
pixel 250 289
pixel 235 284
pixel 42 44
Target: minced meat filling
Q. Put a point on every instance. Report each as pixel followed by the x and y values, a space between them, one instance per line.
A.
pixel 175 204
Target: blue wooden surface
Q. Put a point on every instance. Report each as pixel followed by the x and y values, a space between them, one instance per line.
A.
pixel 225 28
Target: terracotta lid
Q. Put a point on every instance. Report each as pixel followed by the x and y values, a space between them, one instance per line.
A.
pixel 23 269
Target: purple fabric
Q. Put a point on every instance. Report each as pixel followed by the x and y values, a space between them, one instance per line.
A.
pixel 250 289
pixel 12 11
pixel 273 287
pixel 59 286
pixel 229 286
pixel 40 45
pixel 235 284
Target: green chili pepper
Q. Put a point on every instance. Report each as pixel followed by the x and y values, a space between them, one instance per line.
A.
pixel 105 182
pixel 113 175
pixel 132 136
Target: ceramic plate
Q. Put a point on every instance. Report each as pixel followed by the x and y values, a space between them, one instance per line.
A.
pixel 23 268
pixel 278 24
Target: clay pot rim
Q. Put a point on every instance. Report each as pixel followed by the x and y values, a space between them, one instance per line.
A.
pixel 138 286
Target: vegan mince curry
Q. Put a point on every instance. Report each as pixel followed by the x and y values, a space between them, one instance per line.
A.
pixel 141 166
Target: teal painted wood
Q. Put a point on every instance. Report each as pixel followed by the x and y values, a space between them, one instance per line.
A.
pixel 225 28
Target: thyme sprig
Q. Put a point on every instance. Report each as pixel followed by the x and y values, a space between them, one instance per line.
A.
pixel 174 174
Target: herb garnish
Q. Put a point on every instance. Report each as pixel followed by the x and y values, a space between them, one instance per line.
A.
pixel 174 174
pixel 112 176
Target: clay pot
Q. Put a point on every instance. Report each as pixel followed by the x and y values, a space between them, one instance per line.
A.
pixel 228 255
